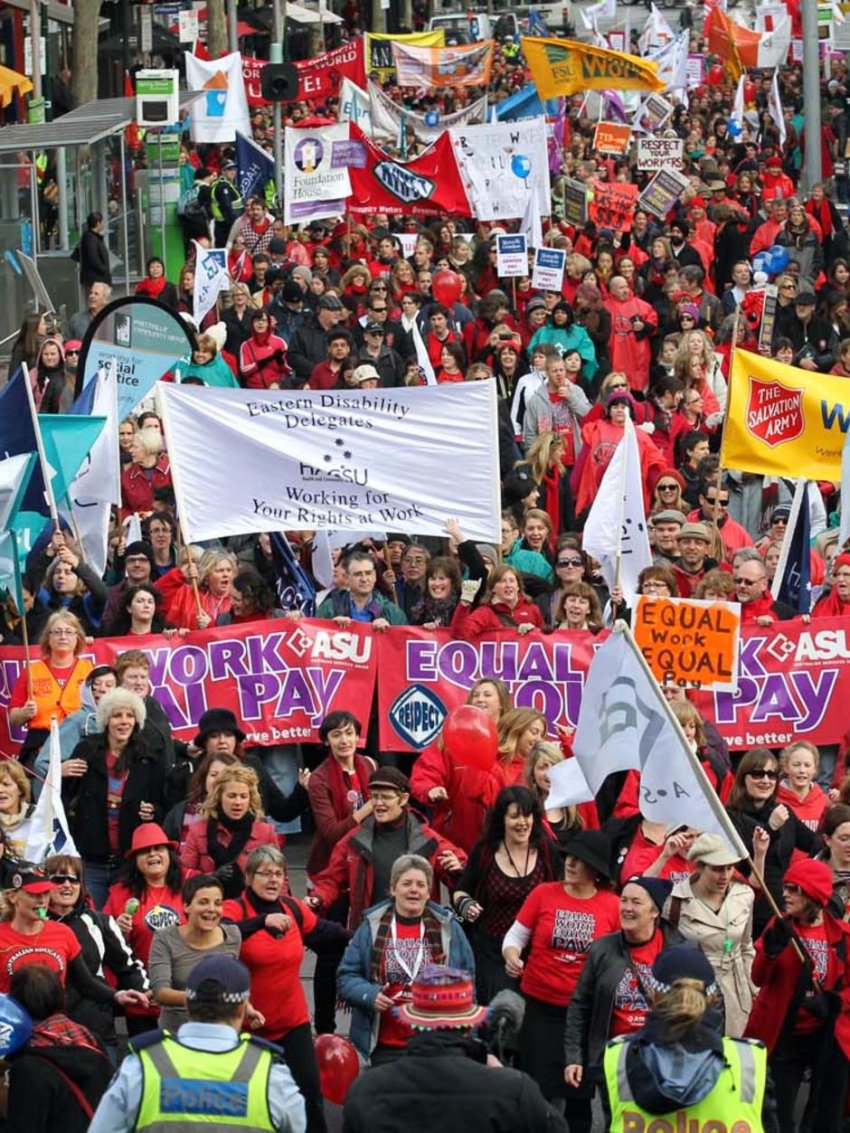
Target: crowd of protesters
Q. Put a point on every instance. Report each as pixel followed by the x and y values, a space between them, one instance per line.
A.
pixel 418 861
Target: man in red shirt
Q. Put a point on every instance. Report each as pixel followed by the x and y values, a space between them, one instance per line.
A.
pixel 325 375
pixel 633 322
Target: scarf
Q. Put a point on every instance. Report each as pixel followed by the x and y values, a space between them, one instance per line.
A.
pixel 433 938
pixel 338 784
pixel 59 1030
pixel 437 610
pixel 152 287
pixel 552 484
pixel 241 833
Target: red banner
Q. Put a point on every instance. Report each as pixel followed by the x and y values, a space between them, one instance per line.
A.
pixel 321 77
pixel 429 185
pixel 281 678
pixel 251 71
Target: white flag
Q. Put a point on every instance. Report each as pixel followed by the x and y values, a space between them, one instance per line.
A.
pixel 774 106
pixel 625 724
pixel 530 224
pixel 97 485
pixel 210 278
pixel 603 10
pixel 615 532
pixel 49 833
pixel 14 479
pixel 656 34
pixel 737 114
pixel 223 109
pixel 322 560
pixel 132 528
pixel 672 62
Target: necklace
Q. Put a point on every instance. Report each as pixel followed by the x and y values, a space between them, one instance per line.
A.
pixel 513 863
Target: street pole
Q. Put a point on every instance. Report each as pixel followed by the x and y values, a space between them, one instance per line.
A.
pixel 35 40
pixel 812 158
pixel 276 56
pixel 232 30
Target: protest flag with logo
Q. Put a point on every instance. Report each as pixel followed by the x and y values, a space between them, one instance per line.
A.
pixel 295 589
pixel 224 108
pixel 625 724
pixel 792 582
pixel 211 278
pixel 566 66
pixel 429 185
pixel 615 532
pixel 254 167
pixel 15 473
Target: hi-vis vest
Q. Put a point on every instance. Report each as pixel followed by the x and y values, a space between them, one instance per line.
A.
pixel 733 1106
pixel 237 204
pixel 51 698
pixel 185 1089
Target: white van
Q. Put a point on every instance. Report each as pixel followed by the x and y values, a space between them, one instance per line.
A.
pixel 472 25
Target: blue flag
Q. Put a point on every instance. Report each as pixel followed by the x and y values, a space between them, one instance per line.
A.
pixel 525 104
pixel 254 167
pixel 295 588
pixel 536 24
pixel 795 586
pixel 17 436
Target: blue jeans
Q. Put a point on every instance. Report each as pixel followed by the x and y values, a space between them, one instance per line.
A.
pixel 99 876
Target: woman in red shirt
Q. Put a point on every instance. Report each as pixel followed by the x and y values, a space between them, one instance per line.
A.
pixel 554 929
pixel 262 359
pixel 150 470
pixel 504 606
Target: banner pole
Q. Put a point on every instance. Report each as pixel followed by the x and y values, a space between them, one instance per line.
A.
pixel 39 444
pixel 718 542
pixel 26 643
pixel 181 546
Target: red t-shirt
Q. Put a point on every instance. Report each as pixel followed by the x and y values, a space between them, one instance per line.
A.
pixel 643 853
pixel 814 941
pixel 55 946
pixel 630 999
pixel 562 930
pixel 408 953
pixel 275 966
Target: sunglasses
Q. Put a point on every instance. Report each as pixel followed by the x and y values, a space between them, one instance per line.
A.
pixel 764 773
pixel 794 890
pixel 667 487
pixel 61 878
pixel 68 353
pixel 569 562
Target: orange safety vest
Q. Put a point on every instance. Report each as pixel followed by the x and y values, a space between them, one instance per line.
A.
pixel 51 698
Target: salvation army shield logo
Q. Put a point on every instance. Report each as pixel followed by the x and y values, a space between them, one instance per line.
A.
pixel 774 412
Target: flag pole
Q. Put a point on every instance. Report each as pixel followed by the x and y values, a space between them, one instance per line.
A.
pixel 712 798
pixel 718 542
pixel 23 614
pixel 181 546
pixel 39 443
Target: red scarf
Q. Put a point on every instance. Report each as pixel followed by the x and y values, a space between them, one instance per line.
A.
pixel 552 483
pixel 152 287
pixel 339 784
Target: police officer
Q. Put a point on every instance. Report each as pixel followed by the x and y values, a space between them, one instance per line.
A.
pixel 678 1071
pixel 209 1072
pixel 227 203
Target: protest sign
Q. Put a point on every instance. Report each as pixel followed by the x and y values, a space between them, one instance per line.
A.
pixel 279 678
pixel 252 71
pixel 379 49
pixel 329 460
pixel 321 77
pixel 143 338
pixel 689 642
pixel 512 255
pixel 660 153
pixel 575 202
pixel 463 65
pixel 612 137
pixel 316 164
pixel 566 66
pixel 224 108
pixel 612 204
pixel 500 163
pixel 662 192
pixel 429 185
pixel 696 70
pixel 548 271
pixel 354 106
pixel 653 113
pixel 768 317
pixel 782 418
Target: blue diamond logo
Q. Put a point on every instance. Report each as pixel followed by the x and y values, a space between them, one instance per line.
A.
pixel 417 715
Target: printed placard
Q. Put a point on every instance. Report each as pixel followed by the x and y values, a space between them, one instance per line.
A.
pixel 548 270
pixel 660 153
pixel 512 255
pixel 612 137
pixel 663 191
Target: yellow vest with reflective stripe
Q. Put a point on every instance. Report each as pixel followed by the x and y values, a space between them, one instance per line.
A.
pixel 185 1089
pixel 733 1106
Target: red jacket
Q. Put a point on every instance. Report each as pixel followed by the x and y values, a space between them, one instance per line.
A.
pixel 331 825
pixel 196 855
pixel 350 868
pixel 137 490
pixel 777 981
pixel 471 624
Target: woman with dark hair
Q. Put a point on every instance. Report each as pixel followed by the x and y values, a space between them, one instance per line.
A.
pixel 93 254
pixel 513 855
pixel 142 614
pixel 251 599
pixel 801 1012
pixel 262 358
pixel 452 363
pixel 755 811
pixel 183 815
pixel 28 343
pixel 546 948
pixel 566 334
pixel 71 584
pixel 578 608
pixel 156 286
pixel 436 607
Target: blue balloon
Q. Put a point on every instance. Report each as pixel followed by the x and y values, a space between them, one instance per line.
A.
pixel 762 262
pixel 521 165
pixel 779 258
pixel 733 128
pixel 432 118
pixel 15 1026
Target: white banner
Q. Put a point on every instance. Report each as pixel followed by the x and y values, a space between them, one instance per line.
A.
pixel 316 177
pixel 97 485
pixel 500 163
pixel 210 278
pixel 351 460
pixel 386 116
pixel 224 109
pixel 354 106
pixel 48 827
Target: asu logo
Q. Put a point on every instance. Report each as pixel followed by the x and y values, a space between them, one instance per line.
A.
pixel 774 412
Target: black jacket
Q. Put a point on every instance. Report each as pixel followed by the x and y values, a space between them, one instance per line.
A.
pixel 85 798
pixel 39 1099
pixel 440 1085
pixel 94 260
pixel 308 347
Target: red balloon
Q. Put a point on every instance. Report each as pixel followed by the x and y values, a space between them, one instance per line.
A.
pixel 446 287
pixel 749 90
pixel 471 738
pixel 715 75
pixel 338 1065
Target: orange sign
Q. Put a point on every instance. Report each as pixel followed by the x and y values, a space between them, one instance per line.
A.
pixel 612 137
pixel 689 642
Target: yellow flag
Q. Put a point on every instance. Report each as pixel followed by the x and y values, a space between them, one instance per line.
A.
pixel 565 66
pixel 783 421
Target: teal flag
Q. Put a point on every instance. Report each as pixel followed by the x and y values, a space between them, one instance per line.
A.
pixel 67 439
pixel 16 542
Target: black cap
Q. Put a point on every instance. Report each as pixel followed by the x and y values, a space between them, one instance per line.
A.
pixel 374 328
pixel 805 298
pixel 291 292
pixel 217 720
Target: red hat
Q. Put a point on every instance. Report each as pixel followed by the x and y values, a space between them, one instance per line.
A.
pixel 146 836
pixel 31 878
pixel 72 344
pixel 814 878
pixel 697 203
pixel 773 163
pixel 442 999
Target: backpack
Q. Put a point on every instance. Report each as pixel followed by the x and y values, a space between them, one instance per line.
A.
pixel 188 205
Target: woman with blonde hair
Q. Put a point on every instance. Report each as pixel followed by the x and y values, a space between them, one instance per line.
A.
pixel 562 822
pixel 149 470
pixel 213 573
pixel 698 367
pixel 232 825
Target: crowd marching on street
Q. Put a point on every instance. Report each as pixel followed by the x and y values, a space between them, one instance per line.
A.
pixel 562 743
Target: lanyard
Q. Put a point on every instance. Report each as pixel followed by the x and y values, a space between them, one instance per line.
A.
pixel 411 975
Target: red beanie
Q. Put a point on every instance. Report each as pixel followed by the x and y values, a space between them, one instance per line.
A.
pixel 814 878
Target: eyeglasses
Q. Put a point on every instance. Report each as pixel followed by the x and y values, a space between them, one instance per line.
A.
pixel 787 287
pixel 764 773
pixel 61 878
pixel 655 588
pixel 570 562
pixel 748 581
pixel 271 874
pixel 63 633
